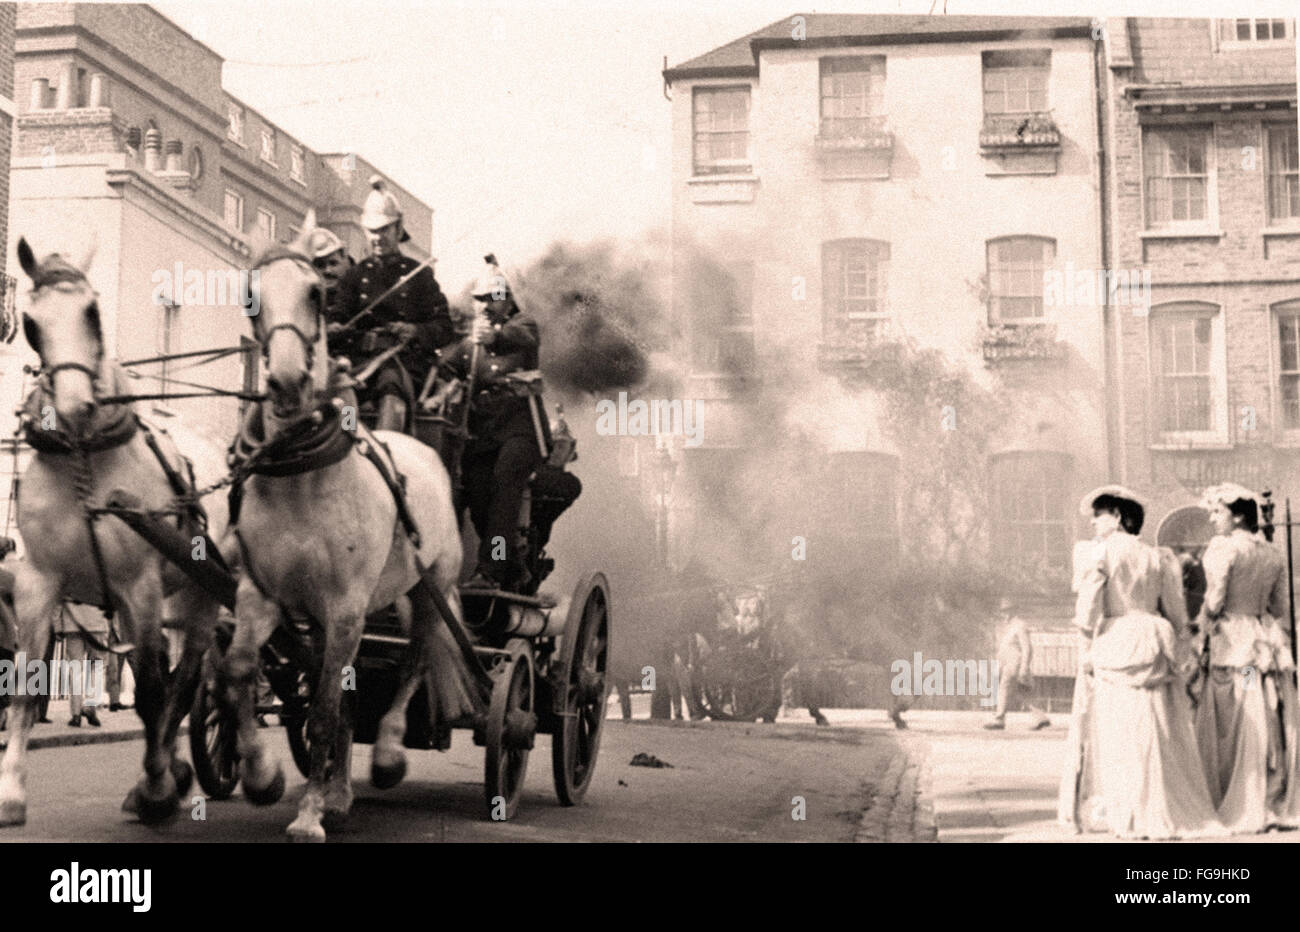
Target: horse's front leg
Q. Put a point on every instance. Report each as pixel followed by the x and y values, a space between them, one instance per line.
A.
pixel 338 796
pixel 256 618
pixel 388 759
pixel 342 638
pixel 36 595
pixel 157 795
pixel 199 615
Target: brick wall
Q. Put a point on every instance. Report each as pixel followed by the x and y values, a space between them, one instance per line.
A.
pixel 8 20
pixel 1243 271
pixel 1187 50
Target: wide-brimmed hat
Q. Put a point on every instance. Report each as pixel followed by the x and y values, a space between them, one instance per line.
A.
pixel 1226 493
pixel 1111 491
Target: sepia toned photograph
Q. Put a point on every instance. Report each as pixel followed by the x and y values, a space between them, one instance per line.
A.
pixel 571 421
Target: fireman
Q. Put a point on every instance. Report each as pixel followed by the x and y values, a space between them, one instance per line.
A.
pixel 331 259
pixel 503 448
pixel 416 312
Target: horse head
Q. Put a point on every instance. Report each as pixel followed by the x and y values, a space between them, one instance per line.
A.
pixel 286 305
pixel 61 323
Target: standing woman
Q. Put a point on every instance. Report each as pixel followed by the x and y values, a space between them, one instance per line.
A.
pixel 1245 700
pixel 1142 776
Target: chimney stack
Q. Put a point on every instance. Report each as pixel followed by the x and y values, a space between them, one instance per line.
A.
pixel 152 150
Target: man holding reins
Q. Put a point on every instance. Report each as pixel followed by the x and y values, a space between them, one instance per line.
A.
pixel 411 316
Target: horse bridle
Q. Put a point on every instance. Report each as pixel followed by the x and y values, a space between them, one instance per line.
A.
pixel 47 372
pixel 308 341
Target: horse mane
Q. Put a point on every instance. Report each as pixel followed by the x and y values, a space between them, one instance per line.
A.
pixel 54 269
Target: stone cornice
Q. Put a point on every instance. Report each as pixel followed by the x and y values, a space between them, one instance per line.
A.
pixel 1220 96
pixel 200 220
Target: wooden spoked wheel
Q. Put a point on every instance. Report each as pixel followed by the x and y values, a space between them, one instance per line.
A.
pixel 511 725
pixel 582 691
pixel 213 748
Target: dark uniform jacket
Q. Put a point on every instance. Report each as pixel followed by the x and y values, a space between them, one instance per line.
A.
pixel 420 301
pixel 498 409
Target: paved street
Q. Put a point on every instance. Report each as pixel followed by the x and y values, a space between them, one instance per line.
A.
pixel 728 782
pixel 1001 785
pixel 943 779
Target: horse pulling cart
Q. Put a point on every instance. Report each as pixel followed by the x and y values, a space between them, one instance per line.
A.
pixel 538 666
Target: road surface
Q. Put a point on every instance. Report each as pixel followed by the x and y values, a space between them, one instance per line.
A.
pixel 728 782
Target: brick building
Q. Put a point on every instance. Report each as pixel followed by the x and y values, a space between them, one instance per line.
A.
pixel 8 113
pixel 126 140
pixel 1203 193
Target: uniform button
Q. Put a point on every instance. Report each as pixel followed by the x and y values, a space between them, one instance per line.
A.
pixel 365 281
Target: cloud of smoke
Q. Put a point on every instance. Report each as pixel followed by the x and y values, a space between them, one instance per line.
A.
pixel 854 471
pixel 601 312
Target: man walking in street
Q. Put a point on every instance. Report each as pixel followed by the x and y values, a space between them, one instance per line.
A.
pixel 1015 681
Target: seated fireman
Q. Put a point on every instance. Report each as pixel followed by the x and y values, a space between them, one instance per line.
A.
pixel 416 311
pixel 503 447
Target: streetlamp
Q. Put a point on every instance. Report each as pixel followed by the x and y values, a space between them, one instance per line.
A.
pixel 665 471
pixel 666 688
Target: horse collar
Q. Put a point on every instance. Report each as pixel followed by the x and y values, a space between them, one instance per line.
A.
pixel 112 427
pixel 313 443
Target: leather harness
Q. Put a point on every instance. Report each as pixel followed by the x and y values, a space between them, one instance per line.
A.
pixel 114 426
pixel 308 444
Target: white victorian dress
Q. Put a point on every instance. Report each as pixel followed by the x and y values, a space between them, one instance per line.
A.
pixel 1246 713
pixel 1132 766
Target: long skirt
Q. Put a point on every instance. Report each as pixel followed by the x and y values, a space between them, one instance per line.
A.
pixel 1246 723
pixel 1232 728
pixel 1132 765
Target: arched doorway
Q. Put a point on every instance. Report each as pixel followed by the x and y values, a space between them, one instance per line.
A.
pixel 1187 532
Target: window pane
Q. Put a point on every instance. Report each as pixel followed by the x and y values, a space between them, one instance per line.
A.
pixel 721 129
pixel 1288 340
pixel 1176 175
pixel 853 277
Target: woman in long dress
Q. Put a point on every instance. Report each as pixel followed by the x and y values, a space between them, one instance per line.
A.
pixel 1246 705
pixel 1132 766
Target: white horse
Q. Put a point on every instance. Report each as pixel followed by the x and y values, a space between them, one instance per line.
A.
pixel 85 450
pixel 328 543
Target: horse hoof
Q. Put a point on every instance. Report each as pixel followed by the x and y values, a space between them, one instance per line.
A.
pixel 13 812
pixel 333 820
pixel 157 811
pixel 269 794
pixel 306 833
pixel 385 777
pixel 132 802
pixel 183 774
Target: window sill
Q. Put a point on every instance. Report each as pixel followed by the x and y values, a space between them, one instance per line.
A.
pixel 722 176
pixel 237 142
pixel 722 189
pixel 1202 233
pixel 1267 45
pixel 1209 443
pixel 1282 231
